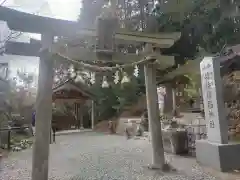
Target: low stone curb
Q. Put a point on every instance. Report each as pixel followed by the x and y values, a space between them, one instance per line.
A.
pixel 73 132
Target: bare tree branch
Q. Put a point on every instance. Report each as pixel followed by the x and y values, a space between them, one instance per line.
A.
pixel 2 3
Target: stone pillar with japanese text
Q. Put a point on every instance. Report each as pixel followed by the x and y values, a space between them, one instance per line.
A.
pixel 216 151
pixel 217 126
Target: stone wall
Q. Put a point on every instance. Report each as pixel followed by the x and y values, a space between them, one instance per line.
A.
pixel 188 118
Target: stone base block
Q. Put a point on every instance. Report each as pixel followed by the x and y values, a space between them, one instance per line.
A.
pixel 222 157
pixel 174 141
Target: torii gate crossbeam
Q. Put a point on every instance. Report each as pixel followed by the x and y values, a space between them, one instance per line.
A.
pixel 25 22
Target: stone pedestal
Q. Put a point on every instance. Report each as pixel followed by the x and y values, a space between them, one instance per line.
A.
pixel 222 157
pixel 174 141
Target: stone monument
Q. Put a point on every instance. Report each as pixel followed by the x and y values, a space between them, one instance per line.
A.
pixel 216 151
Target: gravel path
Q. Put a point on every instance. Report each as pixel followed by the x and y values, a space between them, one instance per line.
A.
pixel 92 156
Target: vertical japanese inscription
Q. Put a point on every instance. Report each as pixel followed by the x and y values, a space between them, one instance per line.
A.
pixel 209 87
pixel 217 129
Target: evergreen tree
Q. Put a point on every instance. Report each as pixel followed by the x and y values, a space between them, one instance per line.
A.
pixel 207 24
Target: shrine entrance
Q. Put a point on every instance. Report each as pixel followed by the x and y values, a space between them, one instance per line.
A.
pixel 104 57
pixel 72 97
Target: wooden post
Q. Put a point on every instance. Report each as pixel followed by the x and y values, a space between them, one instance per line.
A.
pixel 76 115
pixel 93 114
pixel 51 138
pixel 43 113
pixel 80 111
pixel 9 140
pixel 174 99
pixel 158 159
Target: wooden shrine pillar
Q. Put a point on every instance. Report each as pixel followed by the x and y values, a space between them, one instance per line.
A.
pixel 158 159
pixel 174 104
pixel 43 112
pixel 80 115
pixel 76 115
pixel 93 114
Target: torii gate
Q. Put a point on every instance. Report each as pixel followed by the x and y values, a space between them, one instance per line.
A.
pixel 48 28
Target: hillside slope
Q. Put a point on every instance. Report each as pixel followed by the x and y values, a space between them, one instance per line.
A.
pixel 135 110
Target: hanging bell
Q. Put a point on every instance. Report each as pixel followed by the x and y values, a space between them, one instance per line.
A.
pixel 105 83
pixel 125 78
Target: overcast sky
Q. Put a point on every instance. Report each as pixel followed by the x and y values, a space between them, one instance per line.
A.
pixel 62 9
pixel 65 9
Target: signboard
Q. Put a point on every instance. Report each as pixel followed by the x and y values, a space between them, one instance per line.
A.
pixel 217 128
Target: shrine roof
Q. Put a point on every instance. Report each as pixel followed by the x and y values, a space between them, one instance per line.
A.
pixel 71 85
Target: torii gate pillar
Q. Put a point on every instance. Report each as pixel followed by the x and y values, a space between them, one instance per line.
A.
pixel 158 159
pixel 43 112
pixel 93 114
